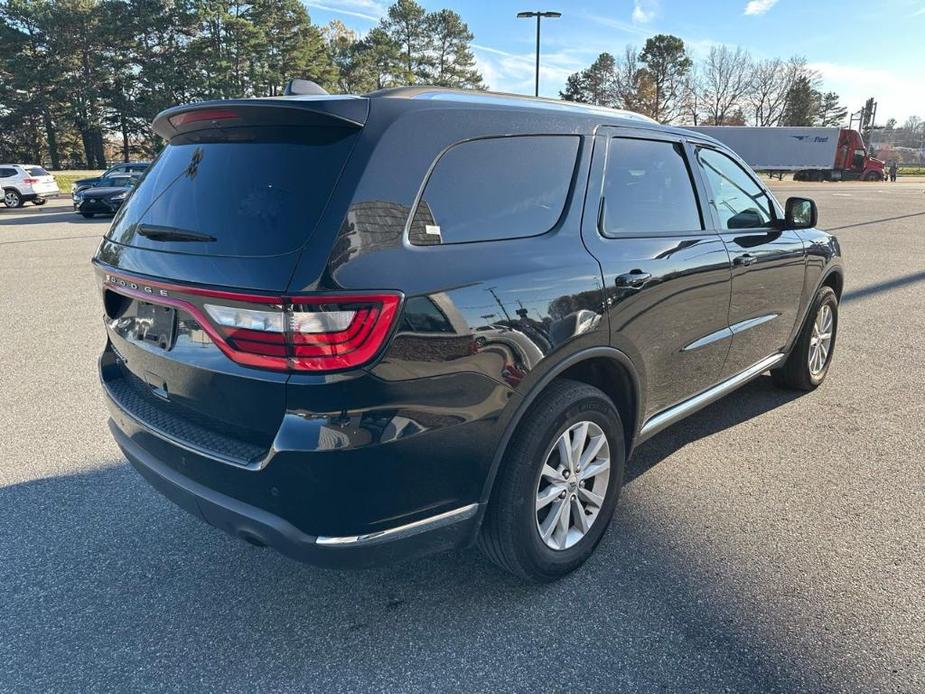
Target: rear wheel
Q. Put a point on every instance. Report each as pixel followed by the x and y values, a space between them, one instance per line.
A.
pixel 809 361
pixel 86 215
pixel 12 198
pixel 558 485
pixel 39 201
pixel 873 176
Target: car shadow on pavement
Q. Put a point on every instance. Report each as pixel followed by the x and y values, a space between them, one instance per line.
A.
pixel 106 585
pixel 748 402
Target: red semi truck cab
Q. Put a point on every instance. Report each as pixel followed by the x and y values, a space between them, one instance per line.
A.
pixel 852 159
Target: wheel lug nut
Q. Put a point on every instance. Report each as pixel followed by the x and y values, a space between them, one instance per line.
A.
pixel 582 484
pixel 574 497
pixel 577 468
pixel 565 474
pixel 562 495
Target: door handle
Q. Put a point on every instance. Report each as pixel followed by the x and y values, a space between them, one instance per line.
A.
pixel 744 259
pixel 634 278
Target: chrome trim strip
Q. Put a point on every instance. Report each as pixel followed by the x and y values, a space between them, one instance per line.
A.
pixel 666 418
pixel 723 334
pixel 459 514
pixel 744 325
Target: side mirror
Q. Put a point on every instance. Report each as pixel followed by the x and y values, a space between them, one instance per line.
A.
pixel 800 213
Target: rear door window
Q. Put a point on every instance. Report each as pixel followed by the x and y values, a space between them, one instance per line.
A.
pixel 252 198
pixel 496 188
pixel 647 188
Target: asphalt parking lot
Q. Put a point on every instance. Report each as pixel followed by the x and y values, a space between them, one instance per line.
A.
pixel 771 543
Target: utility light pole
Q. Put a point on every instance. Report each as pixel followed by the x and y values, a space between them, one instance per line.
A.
pixel 539 14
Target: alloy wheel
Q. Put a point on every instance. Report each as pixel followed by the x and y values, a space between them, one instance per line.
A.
pixel 572 485
pixel 821 341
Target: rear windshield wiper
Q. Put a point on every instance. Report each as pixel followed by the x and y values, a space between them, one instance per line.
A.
pixel 159 233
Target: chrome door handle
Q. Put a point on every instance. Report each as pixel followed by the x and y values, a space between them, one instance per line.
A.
pixel 635 279
pixel 744 259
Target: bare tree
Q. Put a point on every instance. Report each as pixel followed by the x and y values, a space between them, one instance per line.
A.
pixel 771 82
pixel 692 97
pixel 628 76
pixel 727 78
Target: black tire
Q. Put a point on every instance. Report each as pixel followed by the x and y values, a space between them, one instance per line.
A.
pixel 39 201
pixel 87 215
pixel 795 373
pixel 873 176
pixel 509 535
pixel 12 198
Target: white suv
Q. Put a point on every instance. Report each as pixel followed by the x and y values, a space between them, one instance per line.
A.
pixel 26 182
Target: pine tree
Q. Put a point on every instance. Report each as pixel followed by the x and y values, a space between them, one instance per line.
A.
pixel 830 111
pixel 452 63
pixel 667 64
pixel 802 103
pixel 406 26
pixel 596 84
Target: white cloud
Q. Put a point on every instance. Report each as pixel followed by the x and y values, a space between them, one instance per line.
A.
pixel 756 7
pixel 363 9
pixel 505 71
pixel 899 95
pixel 612 23
pixel 644 11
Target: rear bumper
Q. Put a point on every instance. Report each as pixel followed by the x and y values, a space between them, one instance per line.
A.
pixel 426 536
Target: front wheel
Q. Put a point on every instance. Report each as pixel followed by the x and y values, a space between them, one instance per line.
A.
pixel 558 484
pixel 811 356
pixel 873 176
pixel 12 198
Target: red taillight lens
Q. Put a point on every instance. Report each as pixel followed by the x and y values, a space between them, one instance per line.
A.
pixel 30 181
pixel 316 333
pixel 201 115
pixel 319 332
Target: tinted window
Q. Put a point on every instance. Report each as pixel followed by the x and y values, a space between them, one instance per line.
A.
pixel 6 173
pixel 738 199
pixel 496 188
pixel 254 198
pixel 647 188
pixel 37 171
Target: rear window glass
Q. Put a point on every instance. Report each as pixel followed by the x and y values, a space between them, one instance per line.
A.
pixel 252 198
pixel 496 188
pixel 647 188
pixel 37 171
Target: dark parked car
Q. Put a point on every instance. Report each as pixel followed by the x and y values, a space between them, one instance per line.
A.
pixel 132 168
pixel 105 196
pixel 363 328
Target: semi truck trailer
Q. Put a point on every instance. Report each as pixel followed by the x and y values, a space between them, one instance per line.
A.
pixel 812 154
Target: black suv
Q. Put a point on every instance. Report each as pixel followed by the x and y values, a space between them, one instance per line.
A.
pixel 363 328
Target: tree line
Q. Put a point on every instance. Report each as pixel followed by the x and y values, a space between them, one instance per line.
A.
pixel 728 87
pixel 76 74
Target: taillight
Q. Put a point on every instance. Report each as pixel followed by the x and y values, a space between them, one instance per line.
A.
pixel 318 332
pixel 30 181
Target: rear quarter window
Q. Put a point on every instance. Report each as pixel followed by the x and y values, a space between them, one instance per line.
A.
pixel 496 188
pixel 37 171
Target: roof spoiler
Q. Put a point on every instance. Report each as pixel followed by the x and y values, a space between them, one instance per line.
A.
pixel 307 110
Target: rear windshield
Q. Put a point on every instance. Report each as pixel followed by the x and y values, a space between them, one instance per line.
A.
pixel 37 171
pixel 252 198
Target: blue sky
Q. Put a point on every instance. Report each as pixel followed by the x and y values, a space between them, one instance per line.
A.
pixel 862 48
